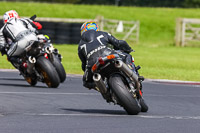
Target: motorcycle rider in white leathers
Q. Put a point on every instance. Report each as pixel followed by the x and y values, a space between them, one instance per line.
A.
pixel 16 34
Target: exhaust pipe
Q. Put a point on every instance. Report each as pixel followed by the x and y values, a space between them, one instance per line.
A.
pixel 31 63
pixel 99 83
pixel 123 67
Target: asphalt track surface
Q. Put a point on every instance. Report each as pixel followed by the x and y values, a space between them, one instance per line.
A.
pixel 71 108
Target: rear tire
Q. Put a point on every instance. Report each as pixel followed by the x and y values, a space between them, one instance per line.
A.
pixel 49 73
pixel 124 97
pixel 59 68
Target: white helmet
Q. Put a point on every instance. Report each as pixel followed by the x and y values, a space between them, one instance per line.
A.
pixel 10 14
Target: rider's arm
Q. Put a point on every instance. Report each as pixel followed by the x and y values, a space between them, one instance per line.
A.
pixel 35 24
pixel 2 42
pixel 118 44
pixel 29 24
pixel 82 58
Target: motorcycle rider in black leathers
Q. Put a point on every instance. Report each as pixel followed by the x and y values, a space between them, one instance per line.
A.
pixel 94 44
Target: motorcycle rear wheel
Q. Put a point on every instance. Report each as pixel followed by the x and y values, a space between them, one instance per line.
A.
pixel 126 99
pixel 49 73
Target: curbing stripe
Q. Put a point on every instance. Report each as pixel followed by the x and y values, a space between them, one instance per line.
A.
pixel 173 81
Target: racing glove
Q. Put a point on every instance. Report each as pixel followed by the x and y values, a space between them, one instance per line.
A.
pixel 124 46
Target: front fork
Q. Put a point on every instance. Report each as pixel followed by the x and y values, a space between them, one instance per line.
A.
pixel 50 52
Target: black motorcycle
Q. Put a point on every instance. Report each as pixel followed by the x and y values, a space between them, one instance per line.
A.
pixel 41 62
pixel 118 83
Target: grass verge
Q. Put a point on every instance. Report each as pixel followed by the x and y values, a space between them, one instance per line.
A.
pixel 157 62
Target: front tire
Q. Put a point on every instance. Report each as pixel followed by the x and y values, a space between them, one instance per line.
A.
pixel 126 99
pixel 144 106
pixel 59 68
pixel 47 70
pixel 31 80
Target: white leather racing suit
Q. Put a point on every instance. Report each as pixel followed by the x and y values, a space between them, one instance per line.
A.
pixel 19 34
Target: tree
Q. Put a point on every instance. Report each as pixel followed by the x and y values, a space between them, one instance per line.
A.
pixel 191 3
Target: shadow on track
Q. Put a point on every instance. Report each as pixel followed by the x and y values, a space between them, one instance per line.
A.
pixel 98 111
pixel 20 85
pixel 14 79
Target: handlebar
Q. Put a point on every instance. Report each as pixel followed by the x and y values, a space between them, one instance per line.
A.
pixel 33 17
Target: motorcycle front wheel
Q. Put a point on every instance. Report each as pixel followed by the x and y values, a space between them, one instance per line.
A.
pixel 125 98
pixel 31 80
pixel 48 72
pixel 59 68
pixel 144 106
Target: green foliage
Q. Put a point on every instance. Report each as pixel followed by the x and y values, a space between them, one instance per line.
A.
pixel 191 3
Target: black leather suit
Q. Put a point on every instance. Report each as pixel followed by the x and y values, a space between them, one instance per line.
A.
pixel 94 44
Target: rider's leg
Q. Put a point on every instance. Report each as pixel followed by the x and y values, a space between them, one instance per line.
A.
pixel 16 61
pixel 88 79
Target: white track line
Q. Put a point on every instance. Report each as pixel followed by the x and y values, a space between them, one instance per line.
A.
pixel 153 95
pixel 170 117
pixel 115 115
pixel 51 93
pixel 173 81
pixel 48 93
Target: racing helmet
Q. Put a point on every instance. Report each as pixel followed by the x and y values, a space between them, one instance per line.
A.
pixel 91 25
pixel 10 14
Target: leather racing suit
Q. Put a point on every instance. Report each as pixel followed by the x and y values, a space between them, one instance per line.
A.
pixel 17 34
pixel 94 44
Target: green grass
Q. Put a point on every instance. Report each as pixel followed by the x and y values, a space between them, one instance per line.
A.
pixel 155 52
pixel 169 62
pixel 156 62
